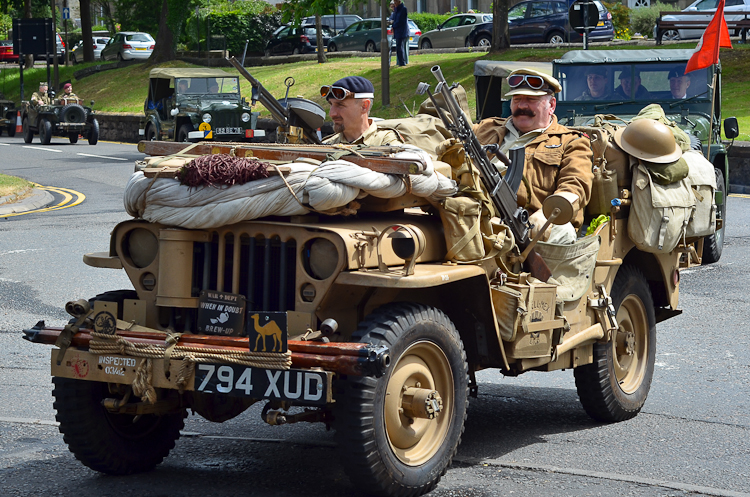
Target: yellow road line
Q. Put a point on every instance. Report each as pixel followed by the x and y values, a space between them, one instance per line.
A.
pixel 739 195
pixel 67 194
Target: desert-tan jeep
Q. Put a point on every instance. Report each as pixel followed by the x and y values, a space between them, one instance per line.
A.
pixel 357 321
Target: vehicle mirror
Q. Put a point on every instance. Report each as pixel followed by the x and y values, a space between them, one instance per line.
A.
pixel 92 103
pixel 731 128
pixel 255 95
pixel 562 202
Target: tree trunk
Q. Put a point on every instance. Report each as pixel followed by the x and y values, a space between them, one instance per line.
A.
pixel 164 49
pixel 88 45
pixel 28 60
pixel 319 40
pixel 500 36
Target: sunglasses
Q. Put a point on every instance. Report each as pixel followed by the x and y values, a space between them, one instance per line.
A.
pixel 534 82
pixel 335 91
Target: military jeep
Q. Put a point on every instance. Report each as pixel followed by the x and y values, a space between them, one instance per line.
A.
pixel 187 105
pixel 693 113
pixel 356 316
pixel 8 114
pixel 66 117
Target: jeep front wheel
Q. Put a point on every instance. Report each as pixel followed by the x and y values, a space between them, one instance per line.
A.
pixel 116 444
pixel 615 386
pixel 151 133
pixel 184 132
pixel 45 132
pixel 398 433
pixel 713 245
pixel 28 135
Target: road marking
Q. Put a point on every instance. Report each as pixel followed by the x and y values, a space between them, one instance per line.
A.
pixel 71 198
pixel 739 195
pixel 42 148
pixel 102 157
pixel 5 144
pixel 685 487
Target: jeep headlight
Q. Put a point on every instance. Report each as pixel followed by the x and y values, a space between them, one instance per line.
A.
pixel 206 117
pixel 322 258
pixel 245 117
pixel 141 247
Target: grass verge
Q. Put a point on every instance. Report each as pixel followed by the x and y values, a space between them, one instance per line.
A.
pixel 10 185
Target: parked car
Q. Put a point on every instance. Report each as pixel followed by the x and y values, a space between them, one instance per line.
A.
pixel 363 36
pixel 293 40
pixel 6 51
pixel 414 35
pixel 129 45
pixel 60 47
pixel 76 53
pixel 544 22
pixel 454 32
pixel 703 6
pixel 336 23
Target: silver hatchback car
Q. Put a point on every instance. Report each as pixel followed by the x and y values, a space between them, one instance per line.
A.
pixel 129 45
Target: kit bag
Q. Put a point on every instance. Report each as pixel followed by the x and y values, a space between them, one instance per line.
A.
pixel 659 214
pixel 702 179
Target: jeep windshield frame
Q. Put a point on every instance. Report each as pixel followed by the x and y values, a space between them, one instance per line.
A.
pixel 225 87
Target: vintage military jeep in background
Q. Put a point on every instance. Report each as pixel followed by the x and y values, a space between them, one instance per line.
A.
pixel 8 115
pixel 357 316
pixel 196 104
pixel 66 117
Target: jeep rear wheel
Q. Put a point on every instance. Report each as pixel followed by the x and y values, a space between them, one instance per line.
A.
pixel 151 133
pixel 117 444
pixel 11 130
pixel 713 245
pixel 398 433
pixel 45 132
pixel 615 386
pixel 28 135
pixel 94 132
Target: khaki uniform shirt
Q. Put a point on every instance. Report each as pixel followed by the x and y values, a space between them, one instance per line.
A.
pixel 41 98
pixel 373 137
pixel 69 96
pixel 557 160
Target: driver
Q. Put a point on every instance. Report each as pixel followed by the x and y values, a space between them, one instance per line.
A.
pixel 678 83
pixel 182 86
pixel 213 86
pixel 41 97
pixel 351 100
pixel 596 82
pixel 630 84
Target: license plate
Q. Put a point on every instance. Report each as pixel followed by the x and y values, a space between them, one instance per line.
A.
pixel 141 49
pixel 229 131
pixel 304 387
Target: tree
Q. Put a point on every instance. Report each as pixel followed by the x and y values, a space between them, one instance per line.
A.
pixel 88 46
pixel 171 21
pixel 294 10
pixel 500 36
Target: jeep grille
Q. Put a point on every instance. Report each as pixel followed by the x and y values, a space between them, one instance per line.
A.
pixel 262 269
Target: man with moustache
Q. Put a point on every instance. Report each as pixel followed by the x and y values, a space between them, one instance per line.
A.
pixel 558 159
pixel 351 100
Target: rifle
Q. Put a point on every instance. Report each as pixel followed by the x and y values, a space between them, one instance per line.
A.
pixel 501 190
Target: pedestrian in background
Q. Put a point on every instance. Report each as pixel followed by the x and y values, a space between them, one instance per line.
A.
pixel 401 33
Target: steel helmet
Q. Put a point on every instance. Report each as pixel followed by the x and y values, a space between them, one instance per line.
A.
pixel 648 140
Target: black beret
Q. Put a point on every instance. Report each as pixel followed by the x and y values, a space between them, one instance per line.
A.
pixel 361 87
pixel 626 73
pixel 676 72
pixel 601 71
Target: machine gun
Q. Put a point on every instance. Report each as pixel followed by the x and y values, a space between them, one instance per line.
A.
pixel 298 118
pixel 502 191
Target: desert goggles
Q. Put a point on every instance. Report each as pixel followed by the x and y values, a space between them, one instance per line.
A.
pixel 340 93
pixel 534 82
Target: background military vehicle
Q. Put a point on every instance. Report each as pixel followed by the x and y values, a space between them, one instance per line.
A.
pixel 363 322
pixel 196 104
pixel 66 117
pixel 8 116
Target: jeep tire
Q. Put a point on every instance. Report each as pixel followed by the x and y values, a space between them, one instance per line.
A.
pixel 28 135
pixel 615 386
pixel 184 132
pixel 73 113
pixel 385 447
pixel 94 132
pixel 713 245
pixel 45 131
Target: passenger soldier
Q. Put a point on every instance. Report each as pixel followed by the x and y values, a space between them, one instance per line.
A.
pixel 68 92
pixel 41 97
pixel 631 83
pixel 596 82
pixel 558 159
pixel 678 83
pixel 351 100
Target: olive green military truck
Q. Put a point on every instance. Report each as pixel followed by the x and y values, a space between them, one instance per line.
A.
pixel 8 114
pixel 334 291
pixel 66 117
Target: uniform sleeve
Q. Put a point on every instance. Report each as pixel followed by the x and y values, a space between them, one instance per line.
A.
pixel 576 174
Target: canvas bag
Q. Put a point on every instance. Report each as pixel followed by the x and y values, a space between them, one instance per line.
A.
pixel 702 179
pixel 659 214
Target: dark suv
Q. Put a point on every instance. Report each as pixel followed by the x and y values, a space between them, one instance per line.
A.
pixel 537 21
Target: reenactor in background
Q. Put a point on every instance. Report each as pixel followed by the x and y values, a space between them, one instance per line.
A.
pixel 41 97
pixel 68 92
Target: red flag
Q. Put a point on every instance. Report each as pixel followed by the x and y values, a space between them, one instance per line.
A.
pixel 716 36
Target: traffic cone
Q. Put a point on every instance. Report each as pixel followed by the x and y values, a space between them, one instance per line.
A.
pixel 19 125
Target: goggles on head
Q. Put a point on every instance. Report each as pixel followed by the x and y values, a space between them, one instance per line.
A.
pixel 340 93
pixel 534 82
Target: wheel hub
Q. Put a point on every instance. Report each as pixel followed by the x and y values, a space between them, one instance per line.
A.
pixel 630 343
pixel 421 403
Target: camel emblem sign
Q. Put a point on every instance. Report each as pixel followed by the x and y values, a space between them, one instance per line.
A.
pixel 267 331
pixel 221 313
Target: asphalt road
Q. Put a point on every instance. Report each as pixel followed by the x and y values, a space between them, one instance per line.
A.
pixel 524 436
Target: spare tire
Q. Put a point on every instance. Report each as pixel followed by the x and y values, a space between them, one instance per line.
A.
pixel 73 113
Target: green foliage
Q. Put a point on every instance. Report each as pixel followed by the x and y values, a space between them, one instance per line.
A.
pixel 428 22
pixel 236 26
pixel 137 15
pixel 620 19
pixel 643 19
pixel 6 24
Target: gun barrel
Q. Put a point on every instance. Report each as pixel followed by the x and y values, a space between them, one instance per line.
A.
pixel 278 112
pixel 438 73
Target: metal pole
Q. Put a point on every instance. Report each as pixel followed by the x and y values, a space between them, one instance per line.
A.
pixel 385 57
pixel 244 52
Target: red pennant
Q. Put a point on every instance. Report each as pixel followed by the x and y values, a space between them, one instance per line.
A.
pixel 716 36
